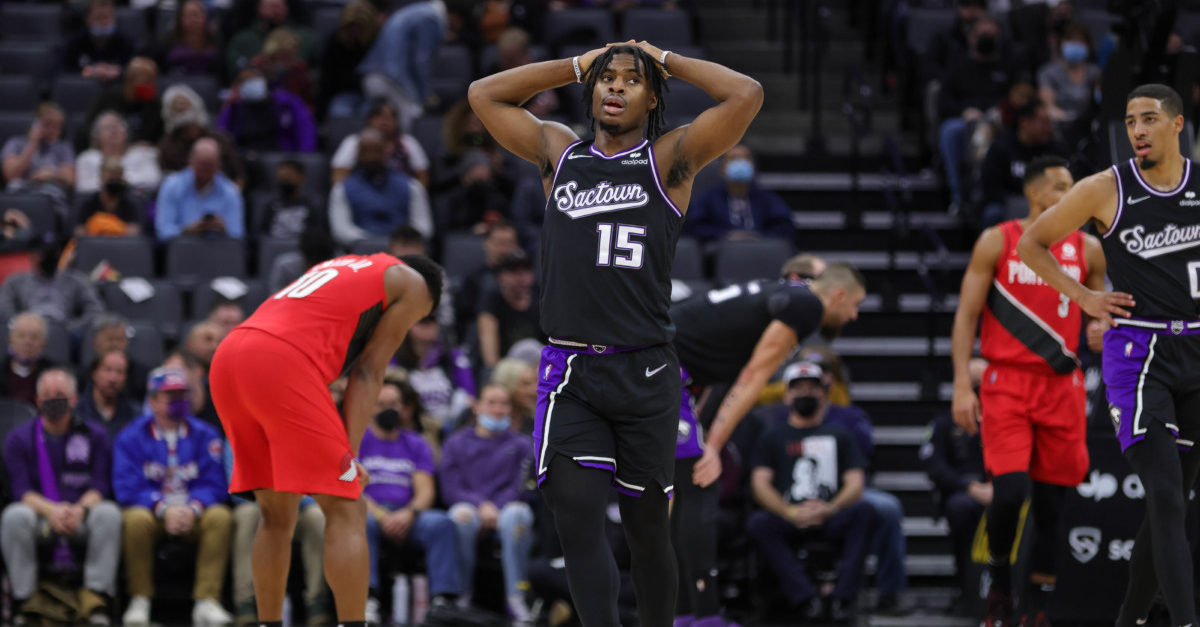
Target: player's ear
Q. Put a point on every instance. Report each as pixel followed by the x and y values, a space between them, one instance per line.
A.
pixel 654 102
pixel 1179 123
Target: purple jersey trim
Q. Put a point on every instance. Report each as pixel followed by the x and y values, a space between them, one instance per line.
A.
pixel 1112 228
pixel 1187 171
pixel 596 151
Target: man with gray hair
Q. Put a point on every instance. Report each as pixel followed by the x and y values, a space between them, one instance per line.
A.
pixel 59 471
pixel 200 199
pixel 111 332
pixel 25 360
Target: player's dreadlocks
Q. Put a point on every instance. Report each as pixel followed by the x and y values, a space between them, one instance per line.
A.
pixel 648 66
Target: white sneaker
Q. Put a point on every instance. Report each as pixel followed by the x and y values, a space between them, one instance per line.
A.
pixel 371 616
pixel 138 612
pixel 209 612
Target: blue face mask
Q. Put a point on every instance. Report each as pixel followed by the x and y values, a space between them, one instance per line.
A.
pixel 102 31
pixel 494 424
pixel 1074 51
pixel 254 89
pixel 178 409
pixel 739 171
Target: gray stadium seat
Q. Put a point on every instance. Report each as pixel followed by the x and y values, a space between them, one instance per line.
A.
pixel 689 261
pixel 489 56
pixel 338 129
pixel 427 130
pixel 13 413
pixel 131 22
pixel 146 345
pixel 164 18
pixel 369 246
pixel 1099 23
pixel 58 343
pixel 74 93
pixel 316 168
pixel 462 254
pixel 685 102
pixel 164 308
pixel 923 25
pixel 36 59
pixel 192 260
pixel 20 93
pixel 13 123
pixel 744 260
pixel 452 72
pixel 204 298
pixel 579 27
pixel 325 20
pixel 667 28
pixel 707 178
pixel 38 208
pixel 131 256
pixel 269 248
pixel 30 22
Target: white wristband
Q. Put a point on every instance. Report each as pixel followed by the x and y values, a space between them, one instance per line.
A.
pixel 662 58
pixel 578 73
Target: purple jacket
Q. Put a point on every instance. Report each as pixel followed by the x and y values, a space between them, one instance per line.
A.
pixel 81 459
pixel 297 129
pixel 476 469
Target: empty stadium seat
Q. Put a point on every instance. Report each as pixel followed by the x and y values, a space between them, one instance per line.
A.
pixel 369 246
pixel 591 27
pixel 452 72
pixel 205 297
pixel 745 260
pixel 325 20
pixel 13 413
pixel 38 208
pixel 19 93
pixel 271 247
pixel 337 130
pixel 925 24
pixel 36 59
pixel 689 262
pixel 30 22
pixel 74 93
pixel 165 307
pixel 684 102
pixel 192 260
pixel 667 28
pixel 462 254
pixel 13 123
pixel 427 130
pixel 58 343
pixel 131 256
pixel 146 345
pixel 131 22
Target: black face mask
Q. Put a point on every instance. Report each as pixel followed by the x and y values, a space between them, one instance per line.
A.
pixel 288 189
pixel 806 406
pixel 55 408
pixel 479 191
pixel 48 264
pixel 388 419
pixel 986 45
pixel 116 188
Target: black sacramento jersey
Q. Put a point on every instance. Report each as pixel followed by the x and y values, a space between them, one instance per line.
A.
pixel 608 241
pixel 717 332
pixel 1153 245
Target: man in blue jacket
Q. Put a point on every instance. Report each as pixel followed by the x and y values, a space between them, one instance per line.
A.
pixel 739 208
pixel 169 476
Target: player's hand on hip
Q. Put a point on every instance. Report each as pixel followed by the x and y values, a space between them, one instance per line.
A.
pixel 1095 334
pixel 707 468
pixel 364 477
pixel 965 408
pixel 1104 305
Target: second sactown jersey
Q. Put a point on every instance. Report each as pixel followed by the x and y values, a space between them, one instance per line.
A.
pixel 608 241
pixel 1026 322
pixel 1151 247
pixel 716 332
pixel 330 312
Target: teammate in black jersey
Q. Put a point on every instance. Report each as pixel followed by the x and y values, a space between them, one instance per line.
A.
pixel 737 335
pixel 609 392
pixel 1146 211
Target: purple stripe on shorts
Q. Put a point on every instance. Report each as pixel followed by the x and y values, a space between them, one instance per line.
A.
pixel 628 492
pixel 687 442
pixel 551 373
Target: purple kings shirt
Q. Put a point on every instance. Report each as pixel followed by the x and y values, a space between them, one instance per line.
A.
pixel 392 464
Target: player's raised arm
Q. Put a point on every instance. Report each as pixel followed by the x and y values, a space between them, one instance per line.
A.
pixel 716 130
pixel 1094 198
pixel 972 296
pixel 497 100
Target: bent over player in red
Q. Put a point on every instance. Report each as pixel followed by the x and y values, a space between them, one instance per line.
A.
pixel 1033 401
pixel 270 383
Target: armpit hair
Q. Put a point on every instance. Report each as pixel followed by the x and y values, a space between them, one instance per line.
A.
pixel 679 173
pixel 547 169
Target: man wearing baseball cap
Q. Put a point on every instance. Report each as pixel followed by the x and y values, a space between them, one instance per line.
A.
pixel 169 476
pixel 808 477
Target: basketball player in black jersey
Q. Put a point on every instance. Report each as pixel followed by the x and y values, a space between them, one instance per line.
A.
pixel 1146 212
pixel 609 390
pixel 737 335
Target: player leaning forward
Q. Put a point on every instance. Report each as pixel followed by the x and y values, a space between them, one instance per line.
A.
pixel 609 387
pixel 1148 214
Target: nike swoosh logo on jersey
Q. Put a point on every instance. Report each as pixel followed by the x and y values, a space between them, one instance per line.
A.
pixel 569 157
pixel 651 373
pixel 1130 200
pixel 349 475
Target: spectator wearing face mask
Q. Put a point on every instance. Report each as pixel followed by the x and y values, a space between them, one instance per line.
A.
pixel 289 211
pixel 59 469
pixel 400 501
pixel 739 208
pixel 374 200
pixel 265 119
pixel 24 362
pixel 136 100
pixel 99 51
pixel 1068 84
pixel 483 473
pixel 111 210
pixel 169 478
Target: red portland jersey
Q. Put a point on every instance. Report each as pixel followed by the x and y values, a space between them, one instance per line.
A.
pixel 1027 322
pixel 330 312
